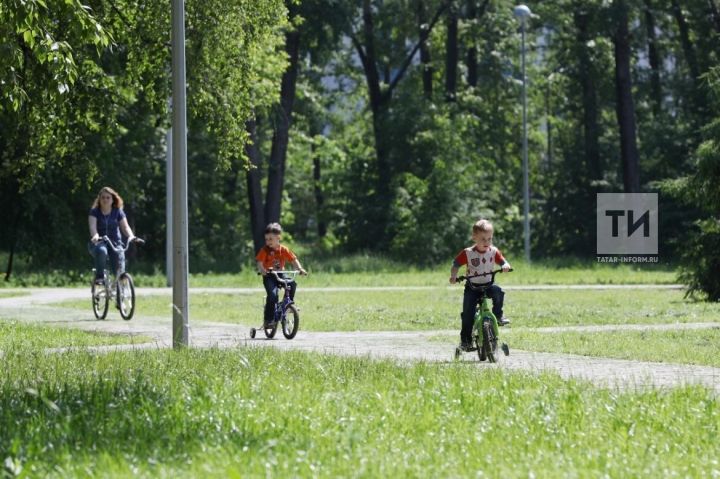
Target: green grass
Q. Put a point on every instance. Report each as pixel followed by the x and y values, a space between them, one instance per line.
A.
pixel 12 294
pixel 682 346
pixel 257 412
pixel 16 335
pixel 373 270
pixel 439 308
pixel 393 275
pixel 679 346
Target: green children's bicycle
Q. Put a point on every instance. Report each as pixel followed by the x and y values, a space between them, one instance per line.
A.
pixel 485 335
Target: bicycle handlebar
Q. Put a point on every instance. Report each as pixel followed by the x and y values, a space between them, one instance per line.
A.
pixel 120 246
pixel 492 279
pixel 285 281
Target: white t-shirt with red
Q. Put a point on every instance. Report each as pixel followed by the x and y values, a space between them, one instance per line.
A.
pixel 479 263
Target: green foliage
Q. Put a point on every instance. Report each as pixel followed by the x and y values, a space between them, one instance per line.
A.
pixel 37 40
pixel 450 187
pixel 105 122
pixel 700 250
pixel 84 103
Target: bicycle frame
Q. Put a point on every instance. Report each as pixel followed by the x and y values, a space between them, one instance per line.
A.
pixel 118 287
pixel 281 306
pixel 486 341
pixel 484 310
pixel 120 248
pixel 285 312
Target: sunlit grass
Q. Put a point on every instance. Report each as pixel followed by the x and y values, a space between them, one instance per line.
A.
pixel 536 273
pixel 256 412
pixel 12 294
pixel 374 270
pixel 683 346
pixel 698 346
pixel 17 335
pixel 439 308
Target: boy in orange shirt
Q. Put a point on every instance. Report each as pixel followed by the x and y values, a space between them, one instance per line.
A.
pixel 273 256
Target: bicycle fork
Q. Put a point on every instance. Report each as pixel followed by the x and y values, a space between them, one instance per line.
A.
pixel 484 313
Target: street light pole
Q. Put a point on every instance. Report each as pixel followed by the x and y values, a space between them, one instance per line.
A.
pixel 523 13
pixel 181 313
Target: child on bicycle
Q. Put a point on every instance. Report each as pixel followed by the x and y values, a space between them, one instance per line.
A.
pixel 480 258
pixel 273 256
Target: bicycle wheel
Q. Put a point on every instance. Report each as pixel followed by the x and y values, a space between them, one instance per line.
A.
pixel 489 341
pixel 291 322
pixel 126 296
pixel 479 347
pixel 100 299
pixel 270 332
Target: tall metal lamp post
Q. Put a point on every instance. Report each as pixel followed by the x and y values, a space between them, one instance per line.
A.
pixel 181 313
pixel 524 13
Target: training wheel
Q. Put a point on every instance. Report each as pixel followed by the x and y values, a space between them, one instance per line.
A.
pixel 457 353
pixel 505 349
pixel 252 333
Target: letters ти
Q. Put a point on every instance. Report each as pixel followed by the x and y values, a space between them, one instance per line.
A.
pixel 632 225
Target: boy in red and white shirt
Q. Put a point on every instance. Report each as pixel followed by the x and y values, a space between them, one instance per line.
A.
pixel 479 259
pixel 273 256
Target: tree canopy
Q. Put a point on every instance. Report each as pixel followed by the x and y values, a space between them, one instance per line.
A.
pixel 387 126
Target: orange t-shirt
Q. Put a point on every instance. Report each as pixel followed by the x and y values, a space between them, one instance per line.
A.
pixel 275 258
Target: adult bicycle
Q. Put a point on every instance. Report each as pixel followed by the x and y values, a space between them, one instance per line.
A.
pixel 121 288
pixel 286 312
pixel 485 334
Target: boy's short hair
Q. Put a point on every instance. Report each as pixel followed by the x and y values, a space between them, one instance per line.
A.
pixel 482 226
pixel 273 228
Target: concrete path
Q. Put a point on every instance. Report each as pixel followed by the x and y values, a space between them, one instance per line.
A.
pixel 406 346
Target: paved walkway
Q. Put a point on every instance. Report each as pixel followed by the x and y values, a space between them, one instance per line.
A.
pixel 407 346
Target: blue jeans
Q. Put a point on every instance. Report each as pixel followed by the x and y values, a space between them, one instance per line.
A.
pixel 271 288
pixel 470 303
pixel 100 253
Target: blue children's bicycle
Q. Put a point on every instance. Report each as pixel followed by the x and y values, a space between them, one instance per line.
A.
pixel 286 312
pixel 485 328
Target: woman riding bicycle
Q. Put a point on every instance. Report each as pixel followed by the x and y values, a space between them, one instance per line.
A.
pixel 107 218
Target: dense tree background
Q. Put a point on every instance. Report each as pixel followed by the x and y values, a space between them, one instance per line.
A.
pixel 362 125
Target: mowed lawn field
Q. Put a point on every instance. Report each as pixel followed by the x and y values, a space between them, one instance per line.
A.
pixel 259 412
pixel 438 308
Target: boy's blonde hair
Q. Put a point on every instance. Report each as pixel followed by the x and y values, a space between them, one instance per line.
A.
pixel 273 228
pixel 482 226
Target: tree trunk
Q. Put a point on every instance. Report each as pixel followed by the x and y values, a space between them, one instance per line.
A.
pixel 591 128
pixel 625 105
pixel 687 45
pixel 653 58
pixel 319 196
pixel 13 243
pixel 380 200
pixel 548 115
pixel 281 136
pixel 715 15
pixel 254 187
pixel 451 54
pixel 471 57
pixel 427 71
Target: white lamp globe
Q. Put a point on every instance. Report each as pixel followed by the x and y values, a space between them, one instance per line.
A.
pixel 522 12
